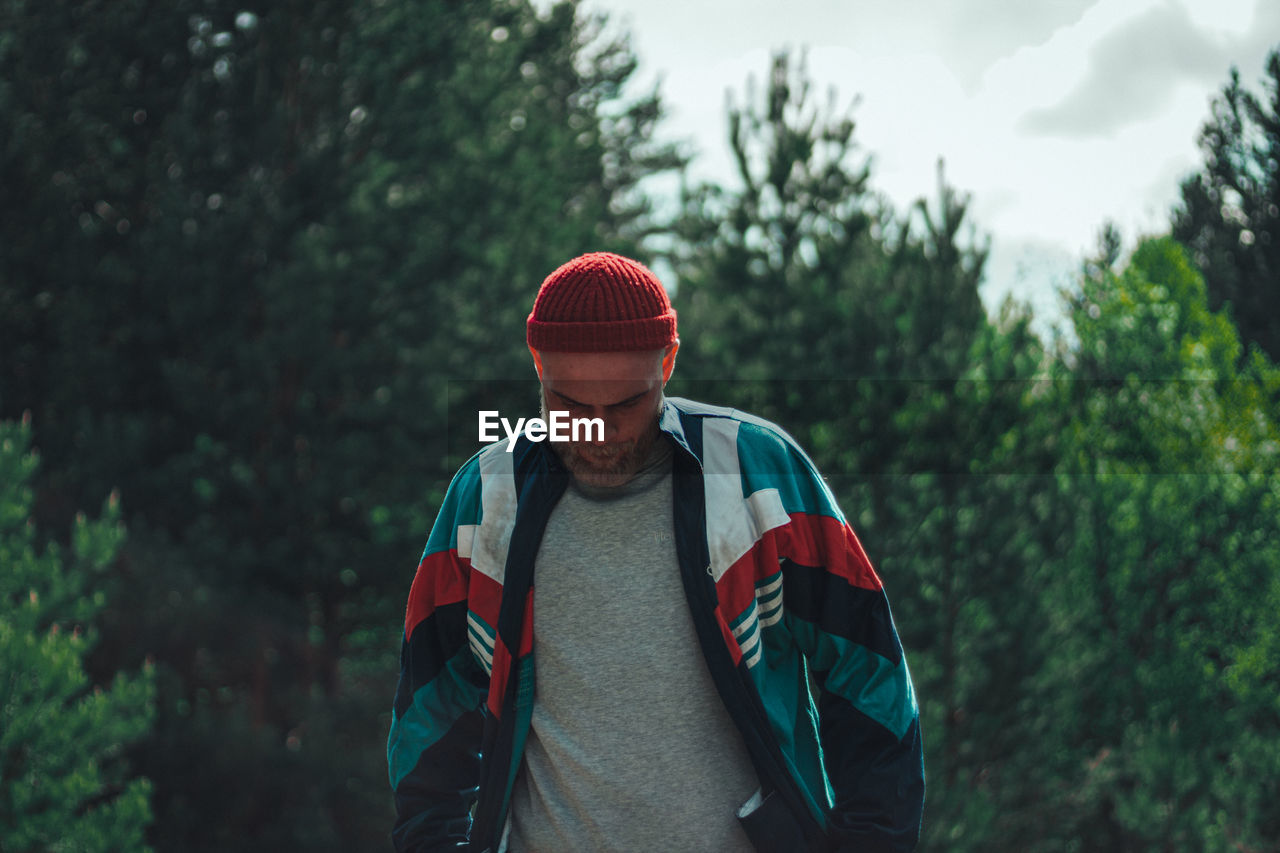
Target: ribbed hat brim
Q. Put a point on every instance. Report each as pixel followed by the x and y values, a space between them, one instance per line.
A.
pixel 648 333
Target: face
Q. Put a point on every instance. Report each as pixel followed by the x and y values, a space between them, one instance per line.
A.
pixel 623 389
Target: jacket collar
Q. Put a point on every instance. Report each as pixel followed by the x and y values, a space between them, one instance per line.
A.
pixel 671 421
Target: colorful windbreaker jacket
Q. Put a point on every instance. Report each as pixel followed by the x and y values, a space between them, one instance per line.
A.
pixel 791 617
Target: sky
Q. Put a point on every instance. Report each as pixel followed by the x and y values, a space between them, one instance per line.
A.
pixel 1054 116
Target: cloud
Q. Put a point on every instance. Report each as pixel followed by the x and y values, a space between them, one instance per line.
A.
pixel 968 36
pixel 974 34
pixel 1261 37
pixel 1133 74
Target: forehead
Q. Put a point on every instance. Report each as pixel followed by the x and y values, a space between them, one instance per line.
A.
pixel 607 367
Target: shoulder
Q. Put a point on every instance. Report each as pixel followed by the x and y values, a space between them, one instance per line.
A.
pixel 473 478
pixel 753 438
pixel 480 488
pixel 762 456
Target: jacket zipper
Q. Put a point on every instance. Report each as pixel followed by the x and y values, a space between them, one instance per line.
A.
pixel 743 707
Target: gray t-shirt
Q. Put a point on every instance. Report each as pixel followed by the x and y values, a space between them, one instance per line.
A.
pixel 631 748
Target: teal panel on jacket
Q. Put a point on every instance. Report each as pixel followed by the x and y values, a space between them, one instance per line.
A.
pixel 436 706
pixel 782 681
pixel 770 459
pixel 461 506
pixel 874 685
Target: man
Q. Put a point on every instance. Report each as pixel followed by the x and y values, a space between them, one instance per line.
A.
pixel 717 667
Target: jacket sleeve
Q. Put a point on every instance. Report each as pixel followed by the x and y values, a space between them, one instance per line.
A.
pixel 433 750
pixel 869 720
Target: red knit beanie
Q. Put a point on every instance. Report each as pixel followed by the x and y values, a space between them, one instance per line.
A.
pixel 601 303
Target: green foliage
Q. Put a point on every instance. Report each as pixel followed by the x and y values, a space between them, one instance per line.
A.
pixel 255 258
pixel 1166 586
pixel 917 409
pixel 261 267
pixel 759 266
pixel 64 783
pixel 1229 214
pixel 1082 570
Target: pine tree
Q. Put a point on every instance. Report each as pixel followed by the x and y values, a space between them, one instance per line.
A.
pixel 761 265
pixel 1164 592
pixel 861 331
pixel 65 783
pixel 250 256
pixel 1229 215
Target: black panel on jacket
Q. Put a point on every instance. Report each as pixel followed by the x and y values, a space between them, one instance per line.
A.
pixel 438 793
pixel 840 608
pixel 434 642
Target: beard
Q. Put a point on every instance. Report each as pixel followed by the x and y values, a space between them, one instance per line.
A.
pixel 604 466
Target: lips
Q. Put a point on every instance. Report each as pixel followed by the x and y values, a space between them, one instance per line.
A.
pixel 600 459
pixel 601 455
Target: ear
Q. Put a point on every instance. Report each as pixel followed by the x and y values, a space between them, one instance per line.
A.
pixel 669 360
pixel 537 361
